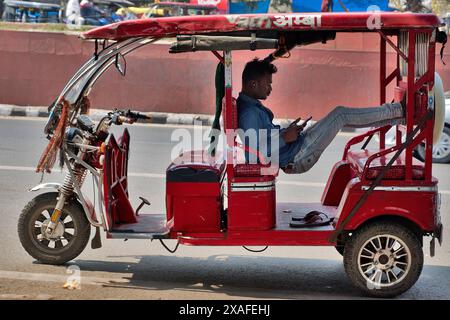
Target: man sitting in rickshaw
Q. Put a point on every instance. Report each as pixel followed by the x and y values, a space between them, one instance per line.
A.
pixel 300 149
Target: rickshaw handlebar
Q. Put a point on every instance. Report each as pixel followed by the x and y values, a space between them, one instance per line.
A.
pixel 136 115
pixel 126 116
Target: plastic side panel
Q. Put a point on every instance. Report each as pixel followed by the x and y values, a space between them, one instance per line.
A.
pixel 193 207
pixel 251 210
pixel 417 206
pixel 196 214
pixel 117 204
pixel 193 189
pixel 339 177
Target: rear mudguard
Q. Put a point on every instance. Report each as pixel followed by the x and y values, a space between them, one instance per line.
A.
pixel 88 208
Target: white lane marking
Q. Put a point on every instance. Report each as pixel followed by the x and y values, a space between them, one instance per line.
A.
pixel 147 175
pixel 44 277
pixel 162 176
pixel 15 168
pixel 23 118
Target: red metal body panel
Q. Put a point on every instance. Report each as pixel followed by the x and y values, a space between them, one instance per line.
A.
pixel 171 26
pixel 415 206
pixel 262 238
pixel 337 181
pixel 282 234
pixel 193 207
pixel 252 209
pixel 117 204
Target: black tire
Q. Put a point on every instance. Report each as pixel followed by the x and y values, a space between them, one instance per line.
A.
pixel 444 157
pixel 411 255
pixel 65 247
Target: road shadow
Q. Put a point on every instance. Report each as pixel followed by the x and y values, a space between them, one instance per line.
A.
pixel 254 277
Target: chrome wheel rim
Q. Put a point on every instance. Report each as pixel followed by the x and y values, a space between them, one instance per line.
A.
pixel 384 260
pixel 442 148
pixel 61 237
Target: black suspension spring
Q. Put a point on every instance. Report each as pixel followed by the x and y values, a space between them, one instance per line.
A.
pixel 79 173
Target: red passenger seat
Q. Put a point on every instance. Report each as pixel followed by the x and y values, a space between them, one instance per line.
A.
pixel 358 159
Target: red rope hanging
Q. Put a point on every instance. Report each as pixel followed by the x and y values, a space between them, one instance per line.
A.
pixel 48 157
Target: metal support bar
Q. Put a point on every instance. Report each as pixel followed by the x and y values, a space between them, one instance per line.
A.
pixel 393 45
pixel 392 76
pixel 383 84
pixel 410 110
pixel 221 59
pixel 82 162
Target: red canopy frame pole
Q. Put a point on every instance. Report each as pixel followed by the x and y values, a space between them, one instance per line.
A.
pixel 430 123
pixel 410 100
pixel 398 132
pixel 396 48
pixel 230 116
pixel 382 84
pixel 218 56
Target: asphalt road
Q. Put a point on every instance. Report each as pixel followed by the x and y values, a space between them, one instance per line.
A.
pixel 139 269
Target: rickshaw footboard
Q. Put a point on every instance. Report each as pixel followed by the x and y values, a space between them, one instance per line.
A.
pixel 149 226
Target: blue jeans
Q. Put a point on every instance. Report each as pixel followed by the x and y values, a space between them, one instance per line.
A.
pixel 320 135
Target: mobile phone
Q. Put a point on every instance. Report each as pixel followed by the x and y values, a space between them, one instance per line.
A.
pixel 295 121
pixel 305 122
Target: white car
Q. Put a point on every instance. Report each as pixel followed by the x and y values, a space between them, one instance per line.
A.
pixel 441 151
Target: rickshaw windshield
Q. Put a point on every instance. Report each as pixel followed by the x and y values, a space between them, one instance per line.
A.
pixel 82 82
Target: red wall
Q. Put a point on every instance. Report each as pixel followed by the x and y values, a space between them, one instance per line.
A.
pixel 35 67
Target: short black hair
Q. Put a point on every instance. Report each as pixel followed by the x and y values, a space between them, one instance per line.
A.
pixel 257 68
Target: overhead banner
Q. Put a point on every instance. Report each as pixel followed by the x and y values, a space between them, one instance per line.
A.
pixel 288 6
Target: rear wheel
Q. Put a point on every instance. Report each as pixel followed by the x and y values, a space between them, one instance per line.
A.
pixel 383 259
pixel 67 241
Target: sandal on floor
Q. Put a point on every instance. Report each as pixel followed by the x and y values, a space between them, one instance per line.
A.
pixel 311 219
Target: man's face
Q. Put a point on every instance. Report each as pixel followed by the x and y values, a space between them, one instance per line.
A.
pixel 262 87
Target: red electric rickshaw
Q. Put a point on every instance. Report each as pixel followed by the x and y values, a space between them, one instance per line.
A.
pixel 380 203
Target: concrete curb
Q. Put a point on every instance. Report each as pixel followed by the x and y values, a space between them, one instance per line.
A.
pixel 7 110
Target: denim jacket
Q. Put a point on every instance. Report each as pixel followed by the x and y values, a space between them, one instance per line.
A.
pixel 253 115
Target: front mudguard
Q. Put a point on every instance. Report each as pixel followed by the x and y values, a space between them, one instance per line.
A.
pixel 88 207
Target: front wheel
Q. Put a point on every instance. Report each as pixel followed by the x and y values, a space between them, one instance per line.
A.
pixel 383 259
pixel 69 238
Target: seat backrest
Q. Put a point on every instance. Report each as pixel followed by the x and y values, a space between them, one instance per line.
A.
pixel 241 169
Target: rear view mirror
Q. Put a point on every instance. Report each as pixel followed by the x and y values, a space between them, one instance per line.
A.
pixel 121 64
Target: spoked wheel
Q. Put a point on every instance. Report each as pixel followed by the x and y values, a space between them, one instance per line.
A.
pixel 69 238
pixel 383 259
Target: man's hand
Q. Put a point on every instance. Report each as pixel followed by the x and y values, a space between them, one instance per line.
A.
pixel 291 133
pixel 293 130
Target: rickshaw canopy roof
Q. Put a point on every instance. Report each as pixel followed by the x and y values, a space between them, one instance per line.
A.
pixel 261 23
